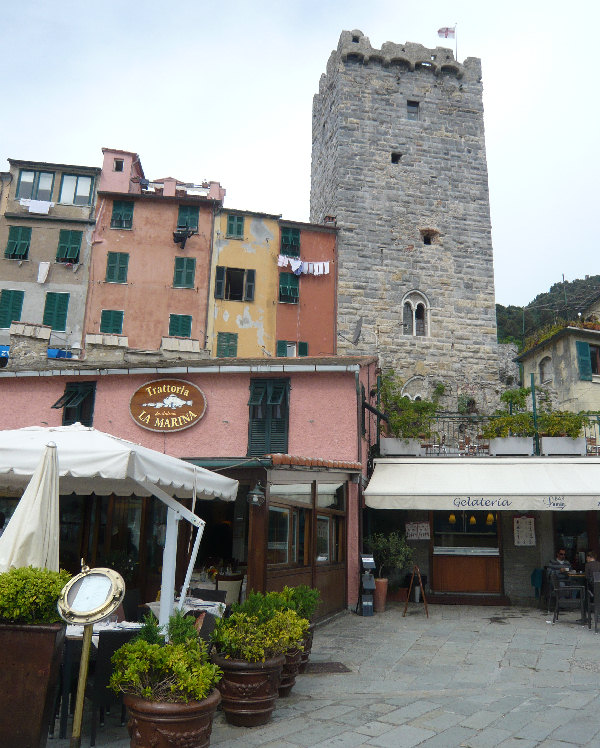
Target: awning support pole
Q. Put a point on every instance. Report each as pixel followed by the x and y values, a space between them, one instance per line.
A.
pixel 168 570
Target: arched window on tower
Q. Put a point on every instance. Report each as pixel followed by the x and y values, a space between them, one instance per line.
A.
pixel 415 315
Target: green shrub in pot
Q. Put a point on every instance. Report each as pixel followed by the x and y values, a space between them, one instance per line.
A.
pixel 29 595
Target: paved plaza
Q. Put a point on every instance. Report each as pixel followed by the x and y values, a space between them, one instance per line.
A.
pixel 465 676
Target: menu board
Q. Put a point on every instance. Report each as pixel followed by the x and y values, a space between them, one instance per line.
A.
pixel 417 531
pixel 524 529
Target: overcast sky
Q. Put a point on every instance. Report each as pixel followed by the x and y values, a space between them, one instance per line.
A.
pixel 223 91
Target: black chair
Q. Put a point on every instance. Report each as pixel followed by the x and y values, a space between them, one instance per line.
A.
pixel 97 687
pixel 566 596
pixel 67 685
pixel 132 605
pixel 593 601
pixel 211 596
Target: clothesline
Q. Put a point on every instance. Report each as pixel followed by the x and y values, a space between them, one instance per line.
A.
pixel 300 267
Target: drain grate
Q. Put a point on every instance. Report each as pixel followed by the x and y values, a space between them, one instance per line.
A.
pixel 317 668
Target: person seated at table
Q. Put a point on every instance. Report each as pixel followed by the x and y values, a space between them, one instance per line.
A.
pixel 591 565
pixel 560 563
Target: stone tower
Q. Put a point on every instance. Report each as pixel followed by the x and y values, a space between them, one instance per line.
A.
pixel 399 160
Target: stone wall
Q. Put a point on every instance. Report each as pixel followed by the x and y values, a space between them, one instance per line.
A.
pixel 412 207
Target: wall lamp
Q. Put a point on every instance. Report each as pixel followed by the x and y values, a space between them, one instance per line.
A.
pixel 256 496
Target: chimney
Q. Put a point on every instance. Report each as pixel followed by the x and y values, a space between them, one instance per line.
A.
pixel 169 187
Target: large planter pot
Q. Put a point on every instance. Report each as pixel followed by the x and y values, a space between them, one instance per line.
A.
pixel 307 647
pixel 163 724
pixel 380 595
pixel 249 689
pixel 512 445
pixel 563 445
pixel 289 671
pixel 31 656
pixel 391 446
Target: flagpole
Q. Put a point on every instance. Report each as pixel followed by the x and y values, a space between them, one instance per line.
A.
pixel 455 42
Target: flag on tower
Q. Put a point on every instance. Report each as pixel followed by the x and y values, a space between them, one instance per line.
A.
pixel 447 32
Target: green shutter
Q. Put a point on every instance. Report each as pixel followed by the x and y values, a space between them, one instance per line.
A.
pixel 583 360
pixel 220 283
pixel 116 267
pixel 69 245
pixel 290 242
pixel 235 226
pixel 185 270
pixel 11 306
pixel 188 217
pixel 180 325
pixel 249 285
pixel 282 348
pixel 111 321
pixel 227 344
pixel 258 390
pixel 19 241
pixel 302 349
pixel 122 214
pixel 268 417
pixel 55 310
pixel 288 288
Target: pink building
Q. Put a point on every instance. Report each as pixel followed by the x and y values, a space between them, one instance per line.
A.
pixel 296 431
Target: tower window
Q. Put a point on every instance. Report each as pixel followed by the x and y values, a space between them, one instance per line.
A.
pixel 396 157
pixel 118 164
pixel 355 39
pixel 412 110
pixel 429 236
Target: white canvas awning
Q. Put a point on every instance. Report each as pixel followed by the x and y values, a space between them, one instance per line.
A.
pixel 93 462
pixel 494 483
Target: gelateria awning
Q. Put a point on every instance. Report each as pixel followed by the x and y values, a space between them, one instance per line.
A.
pixel 486 483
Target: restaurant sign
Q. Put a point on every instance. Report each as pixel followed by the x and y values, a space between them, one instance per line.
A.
pixel 167 405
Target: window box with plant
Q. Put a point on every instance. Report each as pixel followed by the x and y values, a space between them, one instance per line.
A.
pixel 250 650
pixel 31 640
pixel 169 686
pixel 392 554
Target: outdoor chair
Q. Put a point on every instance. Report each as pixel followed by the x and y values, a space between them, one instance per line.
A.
pixel 97 687
pixel 232 584
pixel 566 596
pixel 205 625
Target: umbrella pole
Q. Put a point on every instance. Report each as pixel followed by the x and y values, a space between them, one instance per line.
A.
pixel 83 671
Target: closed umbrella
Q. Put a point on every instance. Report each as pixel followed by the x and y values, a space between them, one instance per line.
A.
pixel 31 537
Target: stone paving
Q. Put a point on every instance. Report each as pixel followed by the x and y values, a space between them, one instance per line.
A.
pixel 465 676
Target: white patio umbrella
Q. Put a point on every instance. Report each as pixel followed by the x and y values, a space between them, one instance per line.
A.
pixel 31 537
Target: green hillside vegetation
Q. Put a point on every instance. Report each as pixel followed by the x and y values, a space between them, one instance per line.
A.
pixel 560 304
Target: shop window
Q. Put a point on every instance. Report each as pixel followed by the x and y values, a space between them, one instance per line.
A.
pixel 77 403
pixel 457 528
pixel 288 535
pixel 268 417
pixel 234 284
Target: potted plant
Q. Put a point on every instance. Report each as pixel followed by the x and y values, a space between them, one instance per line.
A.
pixel 390 552
pixel 31 641
pixel 305 601
pixel 409 421
pixel 168 684
pixel 560 431
pixel 250 650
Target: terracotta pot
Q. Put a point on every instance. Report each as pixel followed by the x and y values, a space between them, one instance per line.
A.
pixel 249 689
pixel 380 595
pixel 289 671
pixel 307 644
pixel 31 656
pixel 162 724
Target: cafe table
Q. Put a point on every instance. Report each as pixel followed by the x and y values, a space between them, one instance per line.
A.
pixel 191 604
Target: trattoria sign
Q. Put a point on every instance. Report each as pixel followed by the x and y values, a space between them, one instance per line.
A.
pixel 167 405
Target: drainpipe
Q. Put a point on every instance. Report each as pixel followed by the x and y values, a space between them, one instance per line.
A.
pixel 535 423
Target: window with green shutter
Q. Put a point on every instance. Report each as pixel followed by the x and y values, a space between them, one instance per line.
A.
pixel 69 245
pixel 188 217
pixel 227 344
pixel 289 288
pixel 111 321
pixel 290 242
pixel 583 360
pixel 77 403
pixel 268 417
pixel 185 271
pixel 180 325
pixel 116 267
pixel 235 284
pixel 55 310
pixel 302 348
pixel 19 241
pixel 290 349
pixel 122 214
pixel 11 306
pixel 235 226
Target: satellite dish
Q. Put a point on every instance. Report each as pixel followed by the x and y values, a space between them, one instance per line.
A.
pixel 357 329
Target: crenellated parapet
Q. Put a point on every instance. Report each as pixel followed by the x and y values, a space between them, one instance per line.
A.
pixel 354 45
